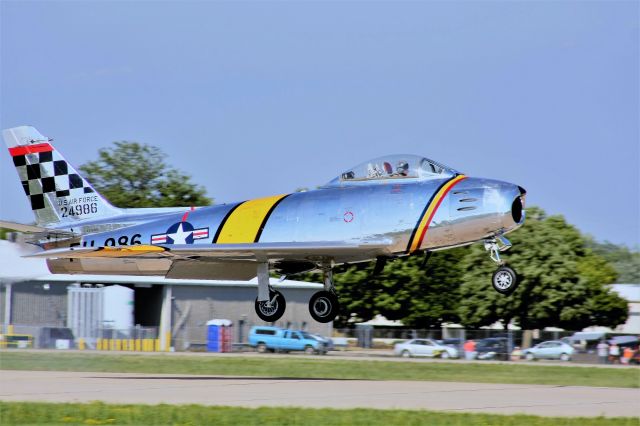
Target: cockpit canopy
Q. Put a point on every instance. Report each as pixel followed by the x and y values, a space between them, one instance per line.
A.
pixel 394 168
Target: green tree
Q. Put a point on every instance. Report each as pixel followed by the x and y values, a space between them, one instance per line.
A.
pixel 357 295
pixel 421 297
pixel 563 283
pixel 131 174
pixel 626 262
pixel 404 290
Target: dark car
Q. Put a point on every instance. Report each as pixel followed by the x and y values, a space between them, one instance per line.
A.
pixel 493 348
pixel 453 343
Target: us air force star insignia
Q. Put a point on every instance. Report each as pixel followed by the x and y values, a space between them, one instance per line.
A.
pixel 180 233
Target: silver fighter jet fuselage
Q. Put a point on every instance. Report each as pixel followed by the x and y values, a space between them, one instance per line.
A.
pixel 387 207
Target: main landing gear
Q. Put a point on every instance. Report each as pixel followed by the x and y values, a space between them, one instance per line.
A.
pixel 504 279
pixel 271 304
pixel 272 309
pixel 324 305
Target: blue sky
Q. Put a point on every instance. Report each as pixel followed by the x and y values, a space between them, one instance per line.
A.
pixel 260 98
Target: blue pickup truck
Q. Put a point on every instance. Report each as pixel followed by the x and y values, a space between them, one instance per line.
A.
pixel 276 339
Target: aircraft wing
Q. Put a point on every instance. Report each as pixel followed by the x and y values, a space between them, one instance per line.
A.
pixel 189 261
pixel 228 252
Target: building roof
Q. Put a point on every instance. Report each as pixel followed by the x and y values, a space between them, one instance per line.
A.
pixel 381 321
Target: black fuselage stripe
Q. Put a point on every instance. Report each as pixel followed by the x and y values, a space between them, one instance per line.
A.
pixel 224 220
pixel 266 218
pixel 424 211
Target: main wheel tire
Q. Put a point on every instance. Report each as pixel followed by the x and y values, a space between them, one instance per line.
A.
pixel 445 355
pixel 565 357
pixel 504 280
pixel 405 354
pixel 275 311
pixel 323 306
pixel 309 350
pixel 529 357
pixel 262 348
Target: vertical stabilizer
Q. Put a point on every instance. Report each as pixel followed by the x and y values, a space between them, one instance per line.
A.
pixel 58 194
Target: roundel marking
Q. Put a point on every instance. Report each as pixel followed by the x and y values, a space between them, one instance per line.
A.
pixel 348 216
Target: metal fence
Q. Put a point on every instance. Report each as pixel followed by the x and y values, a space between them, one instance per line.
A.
pixel 378 341
pixel 56 337
pixel 370 337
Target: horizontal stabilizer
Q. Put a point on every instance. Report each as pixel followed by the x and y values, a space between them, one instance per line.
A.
pixel 21 227
pixel 33 229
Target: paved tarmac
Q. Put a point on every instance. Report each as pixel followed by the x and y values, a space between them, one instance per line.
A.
pixel 542 400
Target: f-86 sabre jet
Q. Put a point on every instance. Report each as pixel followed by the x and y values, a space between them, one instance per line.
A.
pixel 388 207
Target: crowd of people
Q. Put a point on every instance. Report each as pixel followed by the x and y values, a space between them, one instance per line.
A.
pixel 614 354
pixel 608 352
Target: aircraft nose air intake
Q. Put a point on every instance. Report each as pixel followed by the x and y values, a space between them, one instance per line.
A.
pixel 517 210
pixel 517 207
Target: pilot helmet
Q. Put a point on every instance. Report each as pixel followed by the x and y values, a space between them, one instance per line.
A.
pixel 402 167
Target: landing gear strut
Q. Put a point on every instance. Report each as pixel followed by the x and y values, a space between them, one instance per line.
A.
pixel 270 304
pixel 323 305
pixel 504 279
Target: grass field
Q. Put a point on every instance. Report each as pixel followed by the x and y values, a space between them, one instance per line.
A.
pixel 295 367
pixel 105 414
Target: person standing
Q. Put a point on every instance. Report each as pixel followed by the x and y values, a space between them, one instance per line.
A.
pixel 603 351
pixel 614 353
pixel 516 354
pixel 469 349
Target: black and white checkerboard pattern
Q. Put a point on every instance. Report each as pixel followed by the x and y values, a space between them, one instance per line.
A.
pixel 46 173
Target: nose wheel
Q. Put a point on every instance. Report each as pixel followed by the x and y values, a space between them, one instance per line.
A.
pixel 504 279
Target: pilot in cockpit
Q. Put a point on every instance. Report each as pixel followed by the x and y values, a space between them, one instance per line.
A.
pixel 402 169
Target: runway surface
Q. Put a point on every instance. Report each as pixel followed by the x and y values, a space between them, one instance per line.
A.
pixel 542 400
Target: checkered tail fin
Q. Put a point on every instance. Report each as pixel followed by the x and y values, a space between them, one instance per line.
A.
pixel 57 192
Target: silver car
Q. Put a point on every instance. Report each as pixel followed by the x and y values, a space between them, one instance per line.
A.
pixel 552 349
pixel 424 347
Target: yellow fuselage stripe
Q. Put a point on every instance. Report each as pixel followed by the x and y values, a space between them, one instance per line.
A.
pixel 430 212
pixel 244 223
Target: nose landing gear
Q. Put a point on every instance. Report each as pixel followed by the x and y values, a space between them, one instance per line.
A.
pixel 504 279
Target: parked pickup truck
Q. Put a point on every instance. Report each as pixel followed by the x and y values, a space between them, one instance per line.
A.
pixel 276 339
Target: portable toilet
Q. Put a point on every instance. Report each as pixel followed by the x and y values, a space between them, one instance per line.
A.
pixel 219 335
